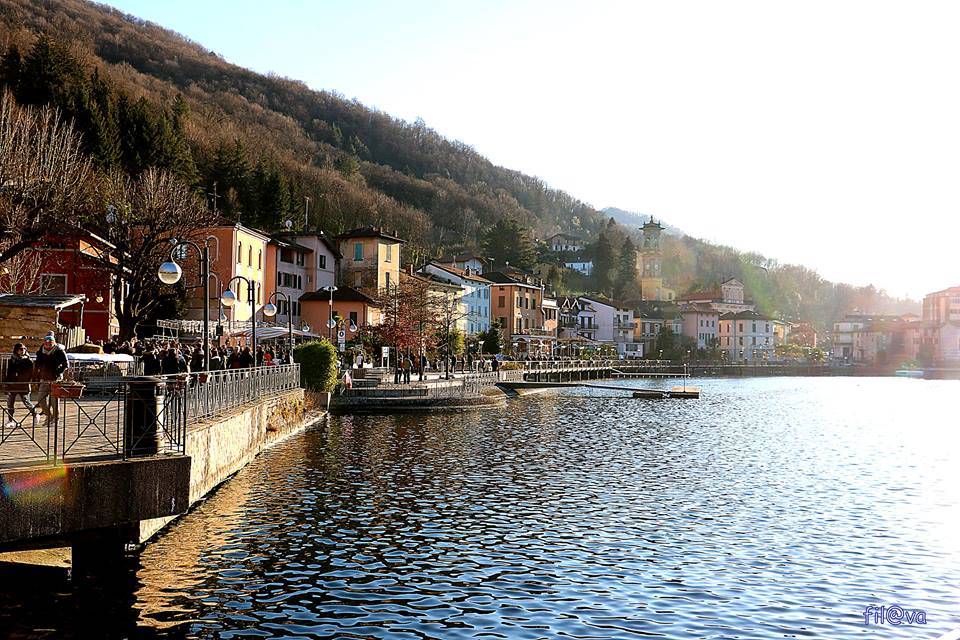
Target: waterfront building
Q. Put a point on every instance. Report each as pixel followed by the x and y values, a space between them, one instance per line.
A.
pixel 564 242
pixel 615 324
pixel 746 336
pixel 652 317
pixel 700 323
pixel 237 250
pixel 847 346
pixel 323 264
pixel 352 309
pixel 781 331
pixel 576 319
pixel 515 301
pixel 291 265
pixel 939 328
pixel 550 311
pixel 371 259
pixel 650 264
pixel 475 292
pixel 729 297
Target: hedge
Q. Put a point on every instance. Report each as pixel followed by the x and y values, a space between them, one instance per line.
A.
pixel 318 365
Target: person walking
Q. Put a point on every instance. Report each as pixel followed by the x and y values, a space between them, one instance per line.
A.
pixel 19 376
pixel 407 366
pixel 245 359
pixel 50 364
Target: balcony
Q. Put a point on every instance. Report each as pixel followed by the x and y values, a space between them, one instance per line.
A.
pixel 619 324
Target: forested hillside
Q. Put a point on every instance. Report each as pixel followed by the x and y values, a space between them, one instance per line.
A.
pixel 265 149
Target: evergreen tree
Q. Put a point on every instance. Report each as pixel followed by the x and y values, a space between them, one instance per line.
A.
pixel 508 241
pixel 604 262
pixel 626 283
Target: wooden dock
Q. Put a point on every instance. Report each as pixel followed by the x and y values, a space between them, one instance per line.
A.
pixel 681 393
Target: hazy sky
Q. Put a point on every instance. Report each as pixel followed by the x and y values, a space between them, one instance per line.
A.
pixel 824 133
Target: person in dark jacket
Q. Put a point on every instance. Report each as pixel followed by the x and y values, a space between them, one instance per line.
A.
pixel 245 359
pixel 19 376
pixel 173 362
pixel 50 364
pixel 151 363
pixel 196 359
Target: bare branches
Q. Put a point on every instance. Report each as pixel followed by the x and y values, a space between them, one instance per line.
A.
pixel 44 177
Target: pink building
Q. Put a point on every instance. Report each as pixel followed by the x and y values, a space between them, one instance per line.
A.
pixel 701 322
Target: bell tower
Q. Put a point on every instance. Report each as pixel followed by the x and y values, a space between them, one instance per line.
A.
pixel 650 263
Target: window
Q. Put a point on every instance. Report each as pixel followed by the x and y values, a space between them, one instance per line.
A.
pixel 358 251
pixel 353 318
pixel 322 263
pixel 300 259
pixel 741 341
pixel 250 256
pixel 239 253
pixel 279 278
pixel 519 302
pixel 53 284
pixel 754 328
pixel 389 252
pixel 260 259
pixel 387 275
pixel 740 327
pixel 501 302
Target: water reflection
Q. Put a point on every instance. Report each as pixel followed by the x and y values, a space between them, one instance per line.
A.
pixel 770 508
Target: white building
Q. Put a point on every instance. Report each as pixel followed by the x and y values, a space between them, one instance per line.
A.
pixel 322 271
pixel 583 266
pixel 727 298
pixel 475 296
pixel 564 242
pixel 746 336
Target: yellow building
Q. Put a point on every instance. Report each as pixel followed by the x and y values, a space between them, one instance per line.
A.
pixel 371 259
pixel 649 265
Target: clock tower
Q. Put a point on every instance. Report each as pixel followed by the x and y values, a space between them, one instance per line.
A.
pixel 649 263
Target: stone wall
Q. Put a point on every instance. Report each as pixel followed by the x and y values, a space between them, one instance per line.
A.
pixel 221 447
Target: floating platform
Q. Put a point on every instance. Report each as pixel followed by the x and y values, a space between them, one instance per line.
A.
pixel 688 393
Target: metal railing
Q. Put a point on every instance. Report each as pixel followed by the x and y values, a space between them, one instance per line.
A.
pixel 208 393
pixel 57 423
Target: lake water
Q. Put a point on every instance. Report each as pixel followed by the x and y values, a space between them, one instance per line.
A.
pixel 771 507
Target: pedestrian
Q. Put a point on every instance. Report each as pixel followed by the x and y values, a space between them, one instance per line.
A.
pixel 151 363
pixel 407 366
pixel 19 376
pixel 260 353
pixel 170 364
pixel 245 359
pixel 423 366
pixel 50 364
pixel 196 359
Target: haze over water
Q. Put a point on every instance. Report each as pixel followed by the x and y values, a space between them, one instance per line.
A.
pixel 772 507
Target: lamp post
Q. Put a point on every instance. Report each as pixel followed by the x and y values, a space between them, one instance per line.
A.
pixel 170 273
pixel 330 323
pixel 270 310
pixel 229 299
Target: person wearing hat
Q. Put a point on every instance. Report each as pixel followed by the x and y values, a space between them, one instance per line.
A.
pixel 50 364
pixel 19 376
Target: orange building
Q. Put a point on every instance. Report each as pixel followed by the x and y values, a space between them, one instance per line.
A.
pixel 515 302
pixel 234 250
pixel 351 308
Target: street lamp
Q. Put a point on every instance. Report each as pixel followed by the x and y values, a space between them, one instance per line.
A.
pixel 170 273
pixel 330 323
pixel 229 299
pixel 270 310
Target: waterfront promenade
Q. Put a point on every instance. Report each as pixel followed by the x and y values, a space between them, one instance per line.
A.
pixel 117 465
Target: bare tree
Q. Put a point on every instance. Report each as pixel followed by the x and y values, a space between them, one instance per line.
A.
pixel 44 177
pixel 21 273
pixel 140 217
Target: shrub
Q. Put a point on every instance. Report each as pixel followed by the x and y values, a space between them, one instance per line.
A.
pixel 318 365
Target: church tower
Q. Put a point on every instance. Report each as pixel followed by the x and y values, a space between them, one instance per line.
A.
pixel 650 265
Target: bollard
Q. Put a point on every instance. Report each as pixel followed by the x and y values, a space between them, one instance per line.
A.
pixel 141 417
